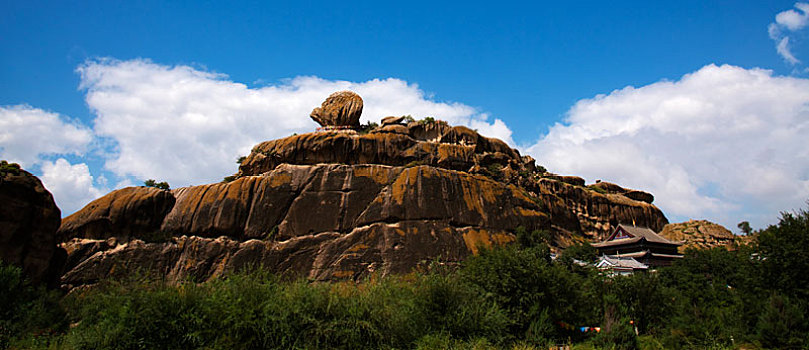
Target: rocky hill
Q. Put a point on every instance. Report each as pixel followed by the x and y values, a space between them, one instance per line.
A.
pixel 345 202
pixel 700 234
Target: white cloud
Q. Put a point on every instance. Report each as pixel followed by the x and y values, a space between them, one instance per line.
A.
pixel 27 134
pixel 788 21
pixel 783 49
pixel 71 185
pixel 724 142
pixel 186 126
pixel 794 20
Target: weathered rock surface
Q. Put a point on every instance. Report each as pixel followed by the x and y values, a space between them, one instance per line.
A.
pixel 121 213
pixel 333 205
pixel 322 222
pixel 342 108
pixel 28 222
pixel 700 234
pixel 392 120
pixel 579 213
pixel 457 148
pixel 612 188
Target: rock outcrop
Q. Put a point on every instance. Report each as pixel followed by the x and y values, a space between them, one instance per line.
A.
pixel 700 234
pixel 336 204
pixel 323 222
pixel 342 108
pixel 29 219
pixel 392 120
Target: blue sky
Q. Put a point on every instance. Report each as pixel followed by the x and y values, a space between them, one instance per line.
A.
pixel 540 75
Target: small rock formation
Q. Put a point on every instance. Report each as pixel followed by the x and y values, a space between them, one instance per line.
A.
pixel 342 108
pixel 29 219
pixel 700 234
pixel 392 120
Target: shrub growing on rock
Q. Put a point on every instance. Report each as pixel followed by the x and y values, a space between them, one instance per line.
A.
pixel 152 183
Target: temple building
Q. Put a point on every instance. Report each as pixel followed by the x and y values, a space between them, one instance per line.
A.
pixel 619 265
pixel 641 244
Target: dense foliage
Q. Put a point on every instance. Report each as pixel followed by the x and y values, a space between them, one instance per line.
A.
pixel 516 297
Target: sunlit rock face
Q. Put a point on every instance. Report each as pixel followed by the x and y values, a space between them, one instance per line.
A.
pixel 342 108
pixel 345 205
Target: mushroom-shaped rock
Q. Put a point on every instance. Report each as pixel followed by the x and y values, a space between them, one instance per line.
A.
pixel 392 120
pixel 342 108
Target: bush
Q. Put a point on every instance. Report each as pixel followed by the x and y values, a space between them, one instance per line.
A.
pixel 782 324
pixel 152 183
pixel 533 239
pixel 9 168
pixel 541 298
pixel 367 127
pixel 580 251
pixel 26 310
pixel 256 310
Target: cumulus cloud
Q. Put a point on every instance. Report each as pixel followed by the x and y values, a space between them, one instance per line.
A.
pixel 794 20
pixel 723 142
pixel 28 134
pixel 786 22
pixel 187 126
pixel 71 185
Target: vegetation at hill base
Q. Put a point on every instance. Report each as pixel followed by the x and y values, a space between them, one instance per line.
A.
pixel 510 297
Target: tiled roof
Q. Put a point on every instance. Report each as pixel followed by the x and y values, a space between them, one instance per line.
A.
pixel 633 255
pixel 636 233
pixel 621 262
pixel 644 232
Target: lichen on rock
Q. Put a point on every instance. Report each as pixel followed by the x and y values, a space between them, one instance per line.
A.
pixel 343 205
pixel 342 108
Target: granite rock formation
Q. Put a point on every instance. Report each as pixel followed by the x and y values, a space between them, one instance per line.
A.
pixel 700 234
pixel 324 221
pixel 344 205
pixel 342 108
pixel 392 120
pixel 29 219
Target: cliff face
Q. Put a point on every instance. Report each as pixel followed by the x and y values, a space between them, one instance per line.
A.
pixel 338 204
pixel 28 222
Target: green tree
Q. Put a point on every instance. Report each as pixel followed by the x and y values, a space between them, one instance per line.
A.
pixel 152 183
pixel 784 250
pixel 782 324
pixel 544 300
pixel 532 239
pixel 744 226
pixel 580 251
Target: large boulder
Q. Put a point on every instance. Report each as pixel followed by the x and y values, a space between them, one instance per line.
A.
pixel 131 211
pixel 342 108
pixel 28 221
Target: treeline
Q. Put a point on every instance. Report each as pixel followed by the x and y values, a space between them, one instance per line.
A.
pixel 511 297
